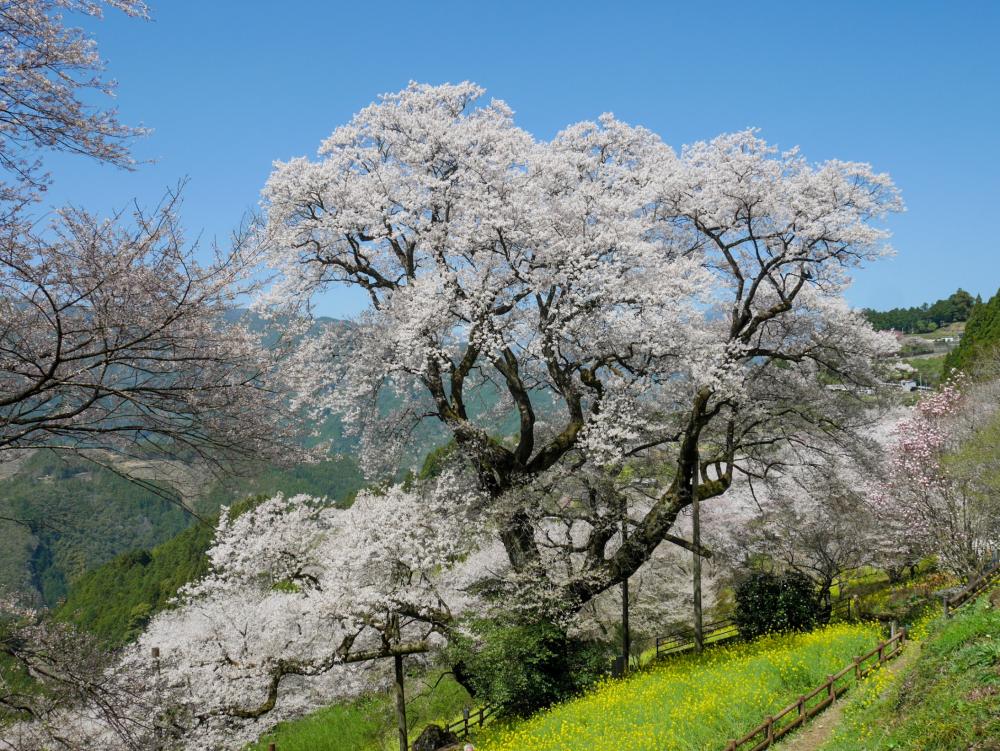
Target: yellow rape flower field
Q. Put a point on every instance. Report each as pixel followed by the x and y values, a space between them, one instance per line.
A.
pixel 690 703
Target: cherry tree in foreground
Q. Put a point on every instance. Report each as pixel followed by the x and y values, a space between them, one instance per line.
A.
pixel 113 337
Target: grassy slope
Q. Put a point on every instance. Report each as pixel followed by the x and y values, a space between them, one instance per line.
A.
pixel 689 703
pixel 950 699
pixel 368 724
pixel 931 369
pixel 956 328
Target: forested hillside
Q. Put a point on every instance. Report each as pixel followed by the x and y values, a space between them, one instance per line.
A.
pixel 63 516
pixel 67 515
pixel 982 335
pixel 923 318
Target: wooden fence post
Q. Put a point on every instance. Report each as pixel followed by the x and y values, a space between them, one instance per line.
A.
pixel 857 668
pixel 881 651
pixel 272 747
pixel 770 730
pixel 465 721
pixel 833 692
pixel 482 717
pixel 731 746
pixel 802 707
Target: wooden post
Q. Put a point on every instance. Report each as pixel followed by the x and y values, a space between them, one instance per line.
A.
pixel 401 705
pixel 833 692
pixel 465 719
pixel 271 747
pixel 857 668
pixel 625 626
pixel 699 636
pixel 770 729
pixel 731 746
pixel 482 717
pixel 802 708
pixel 881 649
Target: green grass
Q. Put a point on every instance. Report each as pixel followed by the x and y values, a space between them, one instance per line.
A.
pixel 930 369
pixel 689 703
pixel 949 699
pixel 949 329
pixel 905 601
pixel 369 723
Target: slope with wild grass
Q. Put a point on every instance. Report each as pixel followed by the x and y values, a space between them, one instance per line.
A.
pixel 948 700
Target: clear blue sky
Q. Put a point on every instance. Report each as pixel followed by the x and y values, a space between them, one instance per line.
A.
pixel 911 86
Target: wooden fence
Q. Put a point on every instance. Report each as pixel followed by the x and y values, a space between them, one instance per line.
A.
pixel 811 704
pixel 469 720
pixel 683 639
pixel 973 589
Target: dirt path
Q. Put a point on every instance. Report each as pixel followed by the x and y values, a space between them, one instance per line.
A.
pixel 817 732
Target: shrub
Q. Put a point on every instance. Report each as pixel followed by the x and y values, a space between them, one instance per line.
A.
pixel 768 602
pixel 522 667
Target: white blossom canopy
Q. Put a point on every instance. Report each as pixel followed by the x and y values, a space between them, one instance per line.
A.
pixel 622 298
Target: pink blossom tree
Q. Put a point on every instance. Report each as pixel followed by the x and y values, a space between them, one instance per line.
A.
pixel 927 498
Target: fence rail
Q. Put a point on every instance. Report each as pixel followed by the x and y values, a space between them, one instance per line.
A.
pixel 973 589
pixel 469 720
pixel 721 630
pixel 811 704
pixel 683 639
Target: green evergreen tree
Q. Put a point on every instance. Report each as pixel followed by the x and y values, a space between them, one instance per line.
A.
pixel 982 334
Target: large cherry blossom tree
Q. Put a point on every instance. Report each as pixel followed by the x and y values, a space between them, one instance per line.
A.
pixel 628 302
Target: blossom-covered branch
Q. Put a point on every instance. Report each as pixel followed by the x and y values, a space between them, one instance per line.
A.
pixel 112 336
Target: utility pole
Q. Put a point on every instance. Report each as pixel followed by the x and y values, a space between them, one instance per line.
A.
pixel 397 658
pixel 625 627
pixel 400 704
pixel 699 637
